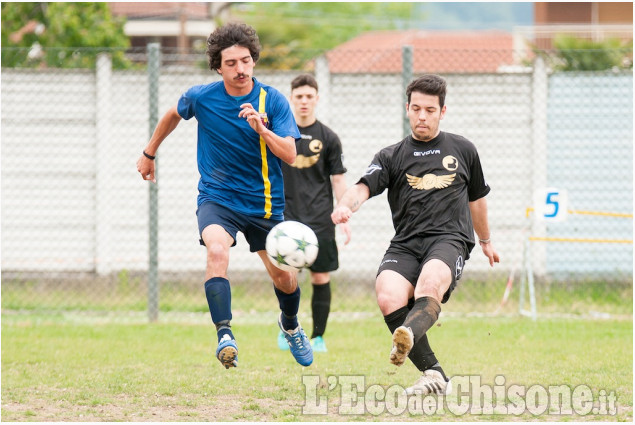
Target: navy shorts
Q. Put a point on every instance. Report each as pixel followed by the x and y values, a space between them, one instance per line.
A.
pixel 408 258
pixel 255 229
pixel 326 260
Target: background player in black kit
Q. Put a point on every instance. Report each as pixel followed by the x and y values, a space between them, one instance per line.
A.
pixel 436 192
pixel 309 184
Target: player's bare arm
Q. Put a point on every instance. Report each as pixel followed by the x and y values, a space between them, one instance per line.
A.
pixel 478 209
pixel 338 182
pixel 165 126
pixel 351 201
pixel 282 147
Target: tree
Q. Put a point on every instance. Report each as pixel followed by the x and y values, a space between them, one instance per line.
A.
pixel 294 33
pixel 577 54
pixel 60 34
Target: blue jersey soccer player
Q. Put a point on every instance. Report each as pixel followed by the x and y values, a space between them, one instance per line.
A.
pixel 245 130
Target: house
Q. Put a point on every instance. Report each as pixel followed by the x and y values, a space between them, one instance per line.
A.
pixel 433 51
pixel 177 25
pixel 595 21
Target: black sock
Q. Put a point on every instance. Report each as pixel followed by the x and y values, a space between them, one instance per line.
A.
pixel 422 316
pixel 438 368
pixel 320 306
pixel 421 354
pixel 289 305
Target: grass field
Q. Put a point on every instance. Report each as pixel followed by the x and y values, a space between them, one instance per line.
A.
pixel 125 292
pixel 54 370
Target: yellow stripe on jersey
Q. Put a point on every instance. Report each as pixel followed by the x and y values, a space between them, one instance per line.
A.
pixel 263 154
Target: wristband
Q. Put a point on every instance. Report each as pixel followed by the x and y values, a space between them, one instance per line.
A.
pixel 148 156
pixel 484 241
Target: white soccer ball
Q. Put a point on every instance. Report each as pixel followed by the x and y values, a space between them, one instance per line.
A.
pixel 292 245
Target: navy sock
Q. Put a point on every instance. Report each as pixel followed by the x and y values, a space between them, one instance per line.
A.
pixel 219 299
pixel 289 305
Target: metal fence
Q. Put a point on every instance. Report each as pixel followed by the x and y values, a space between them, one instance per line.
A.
pixel 80 233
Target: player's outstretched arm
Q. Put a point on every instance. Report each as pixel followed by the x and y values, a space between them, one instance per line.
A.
pixel 165 126
pixel 282 147
pixel 351 201
pixel 338 181
pixel 478 209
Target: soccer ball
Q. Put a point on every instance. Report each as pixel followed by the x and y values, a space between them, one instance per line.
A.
pixel 291 245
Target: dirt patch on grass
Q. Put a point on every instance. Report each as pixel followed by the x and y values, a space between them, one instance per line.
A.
pixel 152 409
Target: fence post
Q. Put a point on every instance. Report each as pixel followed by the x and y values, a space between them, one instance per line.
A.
pixel 540 88
pixel 103 168
pixel 406 76
pixel 323 78
pixel 154 59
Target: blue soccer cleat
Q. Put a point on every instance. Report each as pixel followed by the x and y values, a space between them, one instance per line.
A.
pixel 227 352
pixel 298 344
pixel 282 342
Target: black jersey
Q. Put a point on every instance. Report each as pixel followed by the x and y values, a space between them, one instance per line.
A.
pixel 429 186
pixel 307 182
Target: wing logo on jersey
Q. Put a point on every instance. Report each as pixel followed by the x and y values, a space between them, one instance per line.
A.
pixel 302 161
pixel 430 181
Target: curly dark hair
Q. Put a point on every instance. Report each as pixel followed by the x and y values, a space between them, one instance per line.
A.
pixel 231 35
pixel 428 84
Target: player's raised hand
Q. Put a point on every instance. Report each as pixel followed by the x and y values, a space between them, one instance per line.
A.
pixel 145 167
pixel 346 228
pixel 341 214
pixel 253 117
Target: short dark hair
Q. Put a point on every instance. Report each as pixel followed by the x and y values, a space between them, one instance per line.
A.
pixel 304 80
pixel 231 35
pixel 428 84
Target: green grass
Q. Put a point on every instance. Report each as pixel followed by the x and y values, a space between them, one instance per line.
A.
pixel 123 292
pixel 59 371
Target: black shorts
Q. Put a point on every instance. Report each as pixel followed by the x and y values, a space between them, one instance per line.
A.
pixel 255 229
pixel 326 260
pixel 408 258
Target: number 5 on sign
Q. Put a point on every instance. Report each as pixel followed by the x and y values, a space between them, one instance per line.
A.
pixel 550 204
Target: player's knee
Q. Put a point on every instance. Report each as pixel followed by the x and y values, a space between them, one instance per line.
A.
pixel 431 286
pixel 284 280
pixel 216 253
pixel 388 302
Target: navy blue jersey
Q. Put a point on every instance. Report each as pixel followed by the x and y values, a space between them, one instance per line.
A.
pixel 237 168
pixel 430 185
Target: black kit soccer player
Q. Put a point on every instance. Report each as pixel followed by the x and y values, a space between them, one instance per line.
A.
pixel 436 193
pixel 245 131
pixel 309 185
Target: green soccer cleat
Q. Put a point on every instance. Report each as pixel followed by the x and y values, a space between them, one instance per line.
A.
pixel 282 342
pixel 318 345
